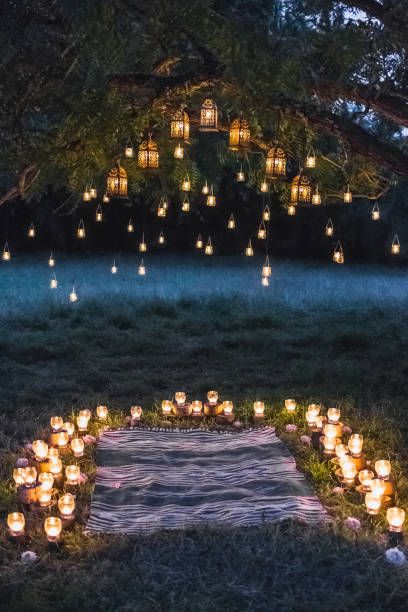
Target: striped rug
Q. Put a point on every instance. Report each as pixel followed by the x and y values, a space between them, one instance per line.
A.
pixel 149 480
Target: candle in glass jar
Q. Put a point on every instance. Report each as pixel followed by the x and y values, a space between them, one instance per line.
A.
pixel 383 469
pixel 341 450
pixel 318 422
pixel 373 503
pixel 366 478
pixel 212 397
pixel 259 409
pixel 52 527
pixel 16 523
pixel 56 423
pixel 395 518
pixel 30 475
pixel 19 476
pixel 227 407
pixel 62 439
pixel 44 496
pixel 314 409
pixel 329 445
pixel 77 445
pixel 40 449
pixel 333 414
pixel 72 474
pixel 102 412
pixel 167 407
pixel 69 428
pixel 82 420
pixel 356 445
pixel 349 471
pixel 310 418
pixel 377 487
pixel 136 412
pixel 180 398
pixel 66 505
pixel 196 406
pixel 47 481
pixel 330 430
pixel 55 466
pixel 290 405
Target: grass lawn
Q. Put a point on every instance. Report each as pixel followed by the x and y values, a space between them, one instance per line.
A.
pixel 335 334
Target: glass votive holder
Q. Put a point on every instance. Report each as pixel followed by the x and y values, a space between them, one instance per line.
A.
pixel 259 409
pixel 62 439
pixel 40 449
pixel 227 407
pixel 333 415
pixel 167 407
pixel 72 474
pixel 77 445
pixel 66 506
pixel 69 428
pixel 314 409
pixel 16 523
pixel 47 481
pixel 44 496
pixel 55 466
pixel 136 412
pixel 52 527
pixel 395 518
pixel 373 503
pixel 366 478
pixel 290 405
pixel 197 407
pixel 56 423
pixel 180 398
pixel 383 469
pixel 355 445
pixel 102 412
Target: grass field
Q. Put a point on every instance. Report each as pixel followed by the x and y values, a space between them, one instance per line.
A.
pixel 336 334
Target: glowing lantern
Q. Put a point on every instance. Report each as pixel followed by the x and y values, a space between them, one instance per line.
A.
pixel 19 476
pixel 51 261
pixel 53 453
pixel 227 407
pixel 264 186
pixel 106 198
pixel 69 428
pixel 116 184
pixel 180 126
pixel 319 422
pixel 231 222
pixel 333 414
pixel 239 135
pixel 16 523
pixel 142 269
pixel 290 405
pixel 310 417
pixel 316 197
pixel 102 412
pixel 266 270
pixel 276 162
pixel 348 195
pixel 300 191
pixel 291 210
pixel 375 213
pixel 30 476
pixel 266 213
pixel 161 238
pixel 6 253
pixel 366 478
pixel 349 471
pixel 259 409
pixel 62 439
pixel 73 296
pixel 341 450
pixel 180 397
pixel 311 159
pixel 329 228
pixel 262 231
pixel 86 196
pixel 56 423
pixel 66 506
pixel 77 445
pixel 93 192
pixel 356 445
pixel 98 215
pixel 383 469
pixel 205 190
pixel 143 245
pixel 55 466
pixel 81 229
pixel 52 527
pixel 240 176
pixel 209 247
pixel 199 243
pixel 72 474
pixel 148 156
pixel 114 268
pixel 83 420
pixel 329 445
pixel 129 150
pixel 186 184
pixel 136 412
pixel 338 255
pixel 197 406
pixel 314 409
pixel 47 480
pixel 31 231
pixel 167 407
pixel 212 397
pixel 129 227
pixel 44 497
pixel 249 251
pixel 179 152
pixel 377 487
pixel 265 281
pixel 330 430
pixel 185 207
pixel 395 518
pixel 395 247
pixel 209 116
pixel 40 449
pixel 211 197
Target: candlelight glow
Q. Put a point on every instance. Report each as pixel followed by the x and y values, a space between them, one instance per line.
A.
pixel 395 518
pixel 341 450
pixel 136 412
pixel 356 444
pixel 66 505
pixel 349 471
pixel 366 478
pixel 259 408
pixel 290 405
pixel 212 397
pixel 69 428
pixel 329 445
pixel 47 481
pixel 377 487
pixel 30 475
pixel 333 414
pixel 56 423
pixel 16 523
pixel 55 466
pixel 62 438
pixel 197 406
pixel 167 406
pixel 44 496
pixel 373 503
pixel 227 407
pixel 310 418
pixel 180 397
pixel 52 527
pixel 102 412
pixel 383 469
pixel 19 476
pixel 330 430
pixel 314 409
pixel 82 420
pixel 40 449
pixel 72 474
pixel 77 445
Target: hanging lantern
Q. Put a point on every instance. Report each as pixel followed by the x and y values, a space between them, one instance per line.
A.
pixel 300 191
pixel 143 245
pixel 209 116
pixel 179 151
pixel 316 198
pixel 266 270
pixel 265 281
pixel 51 261
pixel 161 238
pixel 375 213
pixel 395 247
pixel 262 231
pixel 165 202
pixel 211 197
pixel 117 182
pixel 186 184
pixel 264 186
pixel 348 197
pixel 311 159
pixel 180 126
pixel 81 229
pixel 98 215
pixel 240 176
pixel 6 253
pixel 31 231
pixel 338 255
pixel 276 162
pixel 142 269
pixel 239 135
pixel 129 152
pixel 199 243
pixel 86 196
pixel 209 247
pixel 249 251
pixel 114 268
pixel 129 227
pixel 231 222
pixel 54 283
pixel 185 207
pixel 148 156
pixel 205 190
pixel 329 228
pixel 291 210
pixel 266 213
pixel 161 210
pixel 93 192
pixel 106 198
pixel 73 296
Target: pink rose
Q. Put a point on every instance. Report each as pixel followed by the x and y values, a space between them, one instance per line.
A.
pixel 352 523
pixel 28 445
pixel 306 439
pixel 29 556
pixel 347 429
pixel 21 462
pixel 116 485
pixel 291 427
pixel 89 439
pixel 82 477
pixel 338 490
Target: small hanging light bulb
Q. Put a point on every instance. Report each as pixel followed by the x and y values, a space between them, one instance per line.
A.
pixel 316 198
pixel 129 227
pixel 249 251
pixel 142 268
pixel 348 197
pixel 329 228
pixel 161 238
pixel 211 197
pixel 114 268
pixel 73 296
pixel 81 229
pixel 143 245
pixel 311 159
pixel 266 213
pixel 338 255
pixel 179 151
pixel 264 186
pixel 375 213
pixel 31 231
pixel 209 247
pixel 6 253
pixel 98 215
pixel 395 247
pixel 291 210
pixel 205 190
pixel 231 222
pixel 199 243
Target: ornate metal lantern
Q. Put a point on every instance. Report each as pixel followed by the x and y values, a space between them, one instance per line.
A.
pixel 300 192
pixel 209 116
pixel 148 156
pixel 180 126
pixel 276 162
pixel 117 182
pixel 239 135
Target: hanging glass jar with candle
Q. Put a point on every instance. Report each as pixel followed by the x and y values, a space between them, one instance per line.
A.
pixel 129 152
pixel 185 206
pixel 98 214
pixel 231 222
pixel 205 190
pixel 338 255
pixel 142 268
pixel 106 198
pixel 31 231
pixel 266 270
pixel 6 253
pixel 81 229
pixel 86 196
pixel 239 135
pixel 209 247
pixel 143 245
pixel 329 228
pixel 375 213
pixel 395 247
pixel 264 187
pixel 316 197
pixel 276 162
pixel 249 251
pixel 266 215
pixel 240 175
pixel 262 231
pixel 161 239
pixel 129 227
pixel 291 210
pixel 348 197
pixel 311 158
pixel 209 116
pixel 199 243
pixel 211 200
pixel 186 184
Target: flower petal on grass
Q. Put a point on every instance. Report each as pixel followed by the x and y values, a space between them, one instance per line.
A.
pixel 395 556
pixel 291 427
pixel 29 556
pixel 352 523
pixel 305 439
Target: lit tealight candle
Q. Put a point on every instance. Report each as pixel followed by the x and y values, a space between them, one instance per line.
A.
pixel 167 407
pixel 30 475
pixel 349 471
pixel 329 445
pixel 180 398
pixel 62 439
pixel 356 445
pixel 333 414
pixel 377 487
pixel 102 412
pixel 72 474
pixel 77 445
pixel 314 409
pixel 319 422
pixel 136 412
pixel 383 469
pixel 341 450
pixel 56 423
pixel 330 430
pixel 66 506
pixel 212 397
pixel 227 407
pixel 19 476
pixel 69 428
pixel 259 409
pixel 290 405
pixel 53 453
pixel 40 449
pixel 44 496
pixel 47 481
pixel 395 518
pixel 366 478
pixel 373 503
pixel 197 406
pixel 55 466
pixel 16 523
pixel 82 420
pixel 52 527
pixel 310 418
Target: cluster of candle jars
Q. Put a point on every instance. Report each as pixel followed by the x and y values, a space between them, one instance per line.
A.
pixel 213 407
